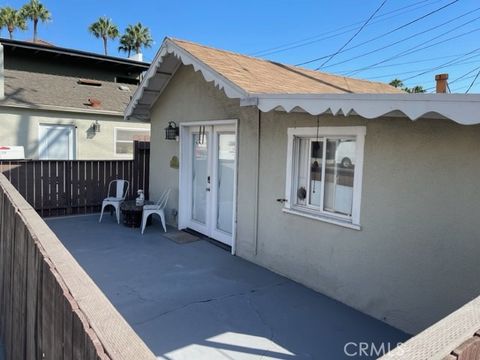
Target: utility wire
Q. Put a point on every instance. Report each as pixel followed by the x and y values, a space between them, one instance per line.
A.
pixel 451 62
pixel 413 36
pixel 407 63
pixel 412 50
pixel 337 32
pixel 385 34
pixel 355 35
pixel 425 70
pixel 473 82
pixel 464 75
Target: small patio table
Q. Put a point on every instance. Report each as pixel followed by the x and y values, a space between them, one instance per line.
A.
pixel 132 214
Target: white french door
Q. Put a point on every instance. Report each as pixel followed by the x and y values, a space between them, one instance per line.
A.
pixel 208 179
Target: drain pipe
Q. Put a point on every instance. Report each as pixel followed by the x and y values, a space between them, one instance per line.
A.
pixel 257 183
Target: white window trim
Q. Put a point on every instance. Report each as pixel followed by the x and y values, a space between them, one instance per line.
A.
pixel 124 141
pixel 359 132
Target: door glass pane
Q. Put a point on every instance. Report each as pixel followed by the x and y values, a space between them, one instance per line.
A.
pixel 226 179
pixel 316 164
pixel 339 173
pixel 199 178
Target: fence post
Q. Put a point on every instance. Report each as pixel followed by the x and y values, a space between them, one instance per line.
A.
pixel 141 163
pixel 68 187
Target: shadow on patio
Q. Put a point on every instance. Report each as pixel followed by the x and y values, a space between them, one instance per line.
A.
pixel 196 301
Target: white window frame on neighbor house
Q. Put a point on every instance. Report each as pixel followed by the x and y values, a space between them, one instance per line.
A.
pixel 115 129
pixel 293 153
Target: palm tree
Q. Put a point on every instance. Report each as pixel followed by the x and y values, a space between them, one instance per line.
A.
pixel 104 28
pixel 418 89
pixel 12 19
pixel 126 44
pixel 36 11
pixel 396 83
pixel 138 36
pixel 399 84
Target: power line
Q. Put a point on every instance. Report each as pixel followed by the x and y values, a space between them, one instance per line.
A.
pixel 412 50
pixel 355 35
pixel 415 35
pixel 426 70
pixel 337 32
pixel 408 63
pixel 473 82
pixel 464 86
pixel 451 62
pixel 384 34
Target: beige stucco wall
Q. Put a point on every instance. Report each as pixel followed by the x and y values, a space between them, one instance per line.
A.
pixel 413 261
pixel 21 126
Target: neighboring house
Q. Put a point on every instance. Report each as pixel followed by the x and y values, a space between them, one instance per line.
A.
pixel 321 178
pixel 67 104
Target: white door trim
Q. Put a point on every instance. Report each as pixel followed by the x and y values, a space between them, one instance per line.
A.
pixel 185 163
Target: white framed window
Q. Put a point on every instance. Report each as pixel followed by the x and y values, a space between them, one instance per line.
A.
pixel 124 138
pixel 324 173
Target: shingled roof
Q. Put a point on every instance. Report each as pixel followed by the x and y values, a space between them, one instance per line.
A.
pixel 37 90
pixel 272 86
pixel 259 76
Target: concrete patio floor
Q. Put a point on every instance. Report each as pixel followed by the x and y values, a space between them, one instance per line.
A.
pixel 196 301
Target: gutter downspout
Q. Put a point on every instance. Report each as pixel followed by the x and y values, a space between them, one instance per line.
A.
pixel 257 184
pixel 2 77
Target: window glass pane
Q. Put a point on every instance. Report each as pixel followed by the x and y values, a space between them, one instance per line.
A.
pixel 124 148
pixel 339 173
pixel 302 173
pixel 316 164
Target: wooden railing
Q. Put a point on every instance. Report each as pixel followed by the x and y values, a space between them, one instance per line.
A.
pixel 55 188
pixel 49 307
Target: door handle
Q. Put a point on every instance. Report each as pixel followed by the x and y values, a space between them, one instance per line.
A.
pixel 208 189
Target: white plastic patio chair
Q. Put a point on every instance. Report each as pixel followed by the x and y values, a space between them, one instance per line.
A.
pixel 158 208
pixel 121 190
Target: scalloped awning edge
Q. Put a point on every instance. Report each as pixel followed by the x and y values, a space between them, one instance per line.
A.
pixel 462 109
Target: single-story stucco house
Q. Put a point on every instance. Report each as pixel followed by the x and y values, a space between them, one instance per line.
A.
pixel 353 188
pixel 65 104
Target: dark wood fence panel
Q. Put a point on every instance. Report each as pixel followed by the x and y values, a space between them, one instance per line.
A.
pixel 49 307
pixel 55 188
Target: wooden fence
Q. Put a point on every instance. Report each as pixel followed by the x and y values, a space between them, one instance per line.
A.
pixel 49 307
pixel 55 187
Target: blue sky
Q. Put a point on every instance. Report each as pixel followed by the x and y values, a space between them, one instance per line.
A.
pixel 250 26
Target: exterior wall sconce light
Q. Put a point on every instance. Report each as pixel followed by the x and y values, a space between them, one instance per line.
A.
pixel 96 126
pixel 171 131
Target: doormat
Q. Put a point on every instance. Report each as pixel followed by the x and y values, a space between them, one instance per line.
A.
pixel 181 237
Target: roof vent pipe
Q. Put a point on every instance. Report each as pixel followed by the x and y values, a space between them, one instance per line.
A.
pixel 442 83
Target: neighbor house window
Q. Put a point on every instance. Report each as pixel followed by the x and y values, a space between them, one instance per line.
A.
pixel 124 138
pixel 324 173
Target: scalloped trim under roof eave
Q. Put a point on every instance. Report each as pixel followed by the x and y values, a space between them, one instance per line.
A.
pixel 460 108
